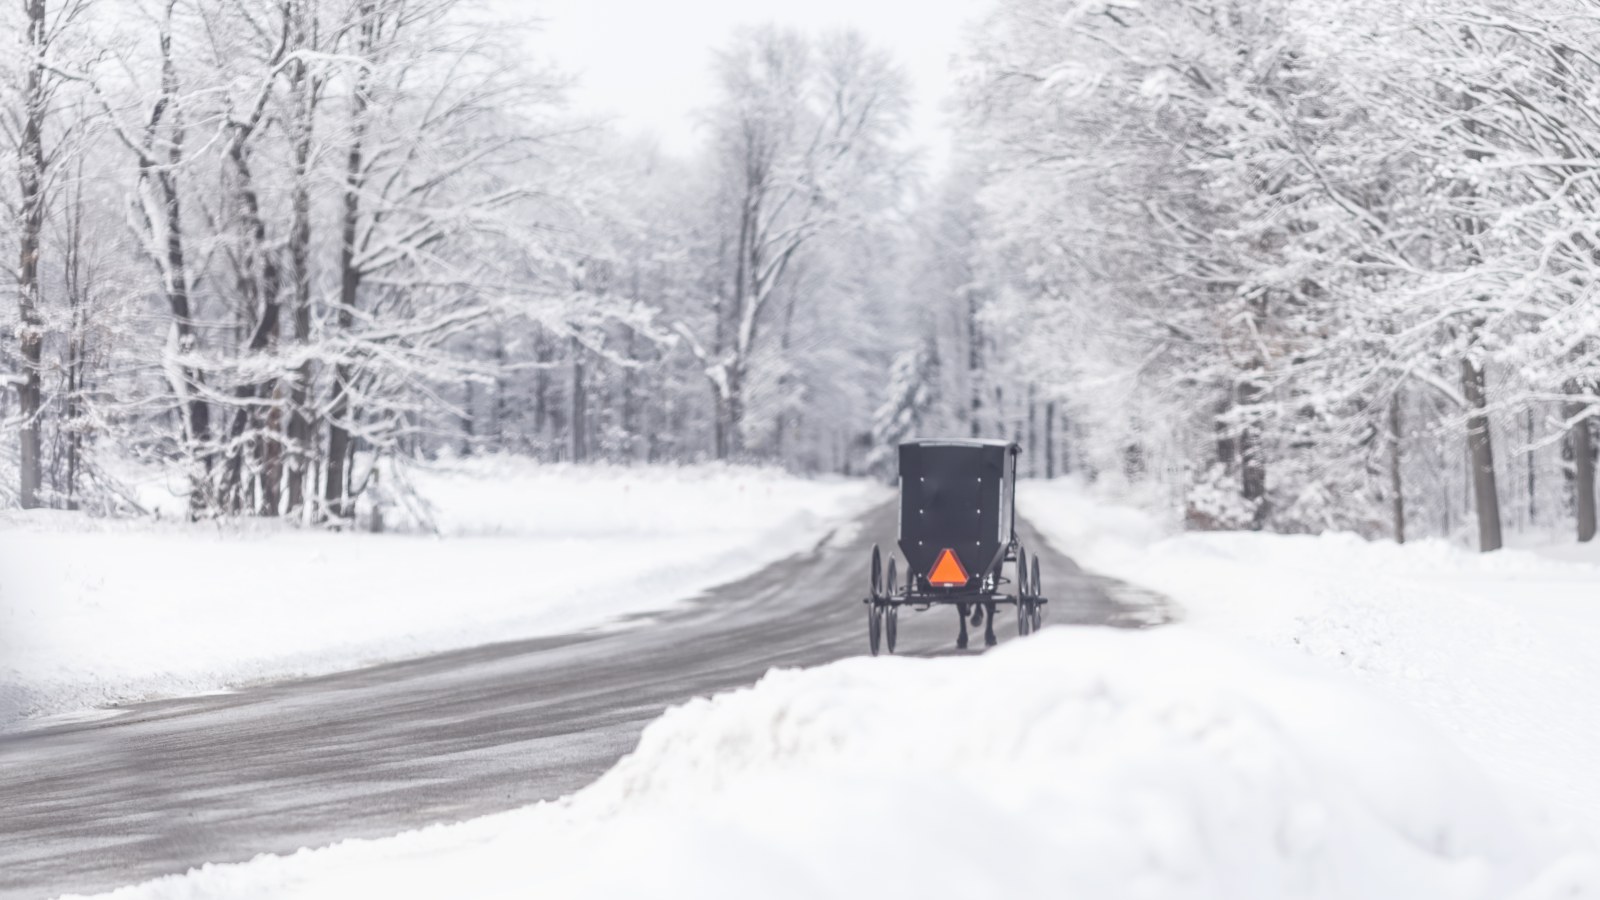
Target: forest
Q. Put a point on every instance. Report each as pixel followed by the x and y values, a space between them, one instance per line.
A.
pixel 1271 264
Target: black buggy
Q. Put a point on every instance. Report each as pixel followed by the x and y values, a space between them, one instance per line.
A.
pixel 958 529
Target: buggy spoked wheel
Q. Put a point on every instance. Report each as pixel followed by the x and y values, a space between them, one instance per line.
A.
pixel 875 602
pixel 1038 591
pixel 1024 595
pixel 891 613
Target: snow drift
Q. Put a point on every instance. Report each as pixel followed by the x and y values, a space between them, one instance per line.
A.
pixel 1083 762
pixel 1495 649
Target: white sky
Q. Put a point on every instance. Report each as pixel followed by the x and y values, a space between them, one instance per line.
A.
pixel 648 62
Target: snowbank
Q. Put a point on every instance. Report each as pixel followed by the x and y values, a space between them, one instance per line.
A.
pixel 95 612
pixel 1086 763
pixel 1496 649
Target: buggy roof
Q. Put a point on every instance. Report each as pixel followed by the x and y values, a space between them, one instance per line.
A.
pixel 960 442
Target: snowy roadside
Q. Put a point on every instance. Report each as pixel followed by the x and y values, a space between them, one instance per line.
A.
pixel 1495 649
pixel 94 612
pixel 1089 762
pixel 1333 719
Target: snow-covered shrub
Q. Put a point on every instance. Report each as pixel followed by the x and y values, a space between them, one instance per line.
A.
pixel 1215 503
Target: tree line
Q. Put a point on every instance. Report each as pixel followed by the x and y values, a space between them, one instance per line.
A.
pixel 1301 265
pixel 271 246
pixel 1280 264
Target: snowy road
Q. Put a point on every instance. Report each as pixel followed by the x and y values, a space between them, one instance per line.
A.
pixel 159 787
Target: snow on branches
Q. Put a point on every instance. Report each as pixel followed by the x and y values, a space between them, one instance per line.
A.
pixel 1317 237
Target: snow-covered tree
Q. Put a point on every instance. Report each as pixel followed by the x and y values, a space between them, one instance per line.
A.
pixel 804 134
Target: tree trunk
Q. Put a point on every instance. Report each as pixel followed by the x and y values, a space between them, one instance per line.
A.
pixel 30 172
pixel 1252 455
pixel 780 430
pixel 299 430
pixel 579 420
pixel 729 346
pixel 630 424
pixel 1397 496
pixel 272 453
pixel 1033 431
pixel 729 412
pixel 999 411
pixel 73 420
pixel 736 411
pixel 1050 439
pixel 719 427
pixel 541 395
pixel 974 365
pixel 1227 444
pixel 334 489
pixel 468 411
pixel 193 380
pixel 160 176
pixel 259 282
pixel 501 407
pixel 1580 437
pixel 658 420
pixel 1480 454
pixel 1533 485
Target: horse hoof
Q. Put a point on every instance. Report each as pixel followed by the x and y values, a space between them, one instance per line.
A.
pixel 961 642
pixel 989 640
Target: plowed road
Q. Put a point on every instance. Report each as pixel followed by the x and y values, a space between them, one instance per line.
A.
pixel 158 787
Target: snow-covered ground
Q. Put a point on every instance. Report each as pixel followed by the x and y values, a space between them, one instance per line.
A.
pixel 100 611
pixel 1083 763
pixel 1332 719
pixel 1497 649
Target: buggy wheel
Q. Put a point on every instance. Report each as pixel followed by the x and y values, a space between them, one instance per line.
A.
pixel 1038 591
pixel 877 576
pixel 874 626
pixel 1024 617
pixel 891 613
pixel 1023 593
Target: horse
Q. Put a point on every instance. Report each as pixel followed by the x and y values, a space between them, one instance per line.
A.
pixel 981 612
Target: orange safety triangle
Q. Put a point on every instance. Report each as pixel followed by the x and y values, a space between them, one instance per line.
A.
pixel 947 570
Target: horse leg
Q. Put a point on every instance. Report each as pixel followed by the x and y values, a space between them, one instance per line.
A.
pixel 989 639
pixel 961 615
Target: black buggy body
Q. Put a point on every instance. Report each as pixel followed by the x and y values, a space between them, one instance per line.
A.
pixel 957 532
pixel 957 496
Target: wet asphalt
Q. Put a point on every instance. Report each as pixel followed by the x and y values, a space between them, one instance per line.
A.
pixel 159 787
